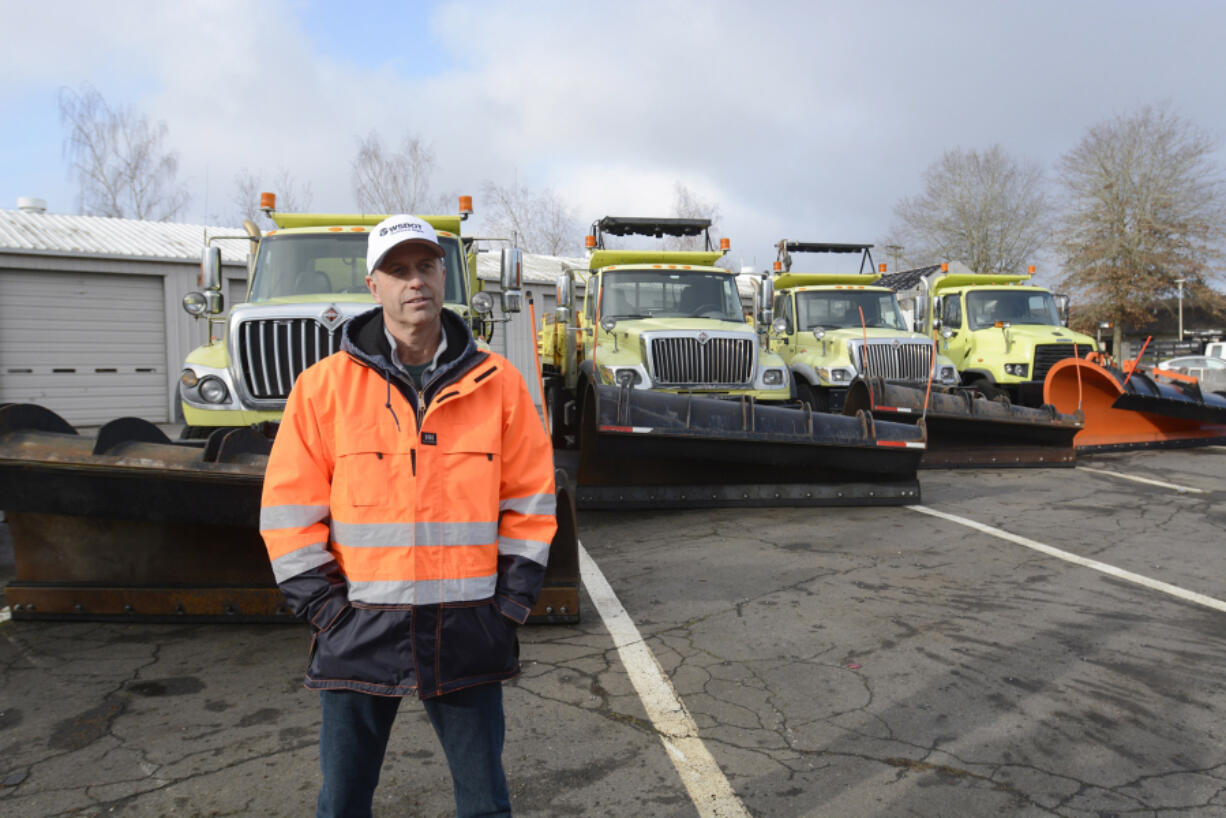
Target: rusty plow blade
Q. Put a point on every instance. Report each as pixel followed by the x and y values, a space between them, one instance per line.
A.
pixel 646 449
pixel 1139 414
pixel 132 526
pixel 966 430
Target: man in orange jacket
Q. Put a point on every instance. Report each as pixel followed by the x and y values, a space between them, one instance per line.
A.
pixel 408 509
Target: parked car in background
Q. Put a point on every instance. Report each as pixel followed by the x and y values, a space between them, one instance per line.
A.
pixel 1211 372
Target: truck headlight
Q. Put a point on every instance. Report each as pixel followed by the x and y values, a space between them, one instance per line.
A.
pixel 1016 370
pixel 194 303
pixel 626 377
pixel 483 303
pixel 772 377
pixel 948 374
pixel 840 375
pixel 213 390
pixel 189 378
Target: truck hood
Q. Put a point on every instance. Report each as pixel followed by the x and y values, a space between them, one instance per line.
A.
pixel 1027 336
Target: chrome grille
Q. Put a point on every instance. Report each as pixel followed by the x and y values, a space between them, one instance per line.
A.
pixel 1048 355
pixel 683 361
pixel 905 361
pixel 273 352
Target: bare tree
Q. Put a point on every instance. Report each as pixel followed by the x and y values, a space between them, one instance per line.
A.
pixel 119 160
pixel 1144 209
pixel 540 222
pixel 245 199
pixel 686 205
pixel 987 210
pixel 392 182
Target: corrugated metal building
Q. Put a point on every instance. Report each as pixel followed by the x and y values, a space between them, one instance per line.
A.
pixel 90 319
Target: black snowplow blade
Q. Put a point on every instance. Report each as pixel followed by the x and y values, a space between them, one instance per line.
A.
pixel 645 449
pixel 132 526
pixel 966 430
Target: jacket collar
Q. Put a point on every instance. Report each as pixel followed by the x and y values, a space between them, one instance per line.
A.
pixel 364 339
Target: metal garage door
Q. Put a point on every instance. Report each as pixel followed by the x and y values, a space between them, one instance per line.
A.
pixel 89 346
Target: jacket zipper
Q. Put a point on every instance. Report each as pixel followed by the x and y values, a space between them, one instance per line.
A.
pixel 421 415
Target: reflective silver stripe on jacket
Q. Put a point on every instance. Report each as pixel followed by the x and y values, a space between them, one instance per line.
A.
pixel 544 504
pixel 393 535
pixel 301 560
pixel 528 549
pixel 275 517
pixel 422 592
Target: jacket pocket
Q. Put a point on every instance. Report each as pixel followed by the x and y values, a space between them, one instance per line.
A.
pixel 365 644
pixel 475 641
pixel 361 478
pixel 473 481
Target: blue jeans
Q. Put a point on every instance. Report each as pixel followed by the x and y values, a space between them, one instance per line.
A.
pixel 353 738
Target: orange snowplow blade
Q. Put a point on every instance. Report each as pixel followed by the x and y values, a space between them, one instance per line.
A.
pixel 1137 414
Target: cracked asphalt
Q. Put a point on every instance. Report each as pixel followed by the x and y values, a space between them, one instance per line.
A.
pixel 837 662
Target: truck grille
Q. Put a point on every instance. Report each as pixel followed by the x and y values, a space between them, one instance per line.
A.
pixel 903 361
pixel 1047 355
pixel 273 352
pixel 684 361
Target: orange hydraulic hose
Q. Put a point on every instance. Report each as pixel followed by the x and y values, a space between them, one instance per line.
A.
pixel 536 355
pixel 1138 360
pixel 931 371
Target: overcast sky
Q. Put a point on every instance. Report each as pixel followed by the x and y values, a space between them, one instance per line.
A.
pixel 803 120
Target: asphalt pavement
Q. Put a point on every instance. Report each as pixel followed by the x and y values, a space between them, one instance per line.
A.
pixel 1020 642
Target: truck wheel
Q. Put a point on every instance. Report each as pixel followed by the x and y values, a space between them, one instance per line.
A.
pixel 555 400
pixel 818 401
pixel 986 388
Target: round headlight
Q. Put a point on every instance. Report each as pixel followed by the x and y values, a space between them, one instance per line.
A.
pixel 213 390
pixel 608 323
pixel 483 303
pixel 819 334
pixel 188 378
pixel 780 326
pixel 626 377
pixel 194 303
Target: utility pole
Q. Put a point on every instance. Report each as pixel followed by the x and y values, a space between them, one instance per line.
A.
pixel 1180 282
pixel 895 250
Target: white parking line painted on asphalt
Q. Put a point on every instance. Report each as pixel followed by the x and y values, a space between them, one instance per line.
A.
pixel 704 780
pixel 1146 480
pixel 1118 573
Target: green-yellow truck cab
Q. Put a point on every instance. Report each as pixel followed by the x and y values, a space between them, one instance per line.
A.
pixel 830 329
pixel 306 280
pixel 664 321
pixel 1002 333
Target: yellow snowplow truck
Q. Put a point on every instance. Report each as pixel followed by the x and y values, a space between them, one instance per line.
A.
pixel 133 526
pixel 849 348
pixel 1002 332
pixel 673 399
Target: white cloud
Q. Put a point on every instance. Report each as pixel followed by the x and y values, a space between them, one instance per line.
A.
pixel 799 119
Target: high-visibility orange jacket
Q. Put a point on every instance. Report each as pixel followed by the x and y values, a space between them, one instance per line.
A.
pixel 411 530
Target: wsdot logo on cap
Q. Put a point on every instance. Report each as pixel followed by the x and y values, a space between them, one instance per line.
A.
pixel 394 231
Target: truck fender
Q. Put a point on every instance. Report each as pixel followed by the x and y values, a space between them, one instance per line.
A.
pixel 969 376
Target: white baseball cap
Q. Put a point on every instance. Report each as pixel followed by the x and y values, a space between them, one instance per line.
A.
pixel 395 231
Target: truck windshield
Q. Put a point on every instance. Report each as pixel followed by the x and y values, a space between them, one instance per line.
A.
pixel 330 263
pixel 985 308
pixel 670 294
pixel 839 309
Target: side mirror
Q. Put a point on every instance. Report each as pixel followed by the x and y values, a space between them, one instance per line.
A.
pixel 1062 302
pixel 215 302
pixel 210 269
pixel 511 278
pixel 564 291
